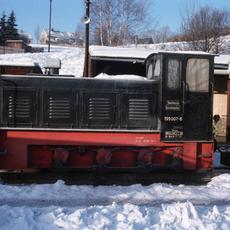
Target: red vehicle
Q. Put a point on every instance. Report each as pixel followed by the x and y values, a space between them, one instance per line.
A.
pixel 161 121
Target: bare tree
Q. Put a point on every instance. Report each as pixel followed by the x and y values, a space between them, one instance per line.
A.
pixel 220 27
pixel 96 23
pixel 115 22
pixel 104 16
pixel 37 33
pixel 162 35
pixel 79 34
pixel 204 27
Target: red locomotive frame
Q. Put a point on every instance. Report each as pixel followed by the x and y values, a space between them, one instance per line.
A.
pixel 79 149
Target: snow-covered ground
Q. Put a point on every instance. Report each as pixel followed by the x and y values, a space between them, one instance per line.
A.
pixel 158 206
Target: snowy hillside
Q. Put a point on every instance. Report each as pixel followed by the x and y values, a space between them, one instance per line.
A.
pixel 72 59
pixel 178 46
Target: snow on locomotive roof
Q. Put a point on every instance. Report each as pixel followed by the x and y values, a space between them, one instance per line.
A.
pixel 122 76
pixel 132 52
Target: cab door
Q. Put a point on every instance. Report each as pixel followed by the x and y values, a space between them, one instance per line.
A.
pixel 172 97
pixel 197 99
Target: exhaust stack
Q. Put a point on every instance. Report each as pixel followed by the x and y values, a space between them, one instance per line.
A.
pixel 86 21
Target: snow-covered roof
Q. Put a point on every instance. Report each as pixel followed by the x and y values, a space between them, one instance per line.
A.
pixel 115 52
pixel 21 64
pixel 222 59
pixel 132 52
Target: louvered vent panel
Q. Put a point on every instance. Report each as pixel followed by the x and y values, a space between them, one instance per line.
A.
pixel 138 109
pixel 19 109
pixel 99 108
pixel 59 108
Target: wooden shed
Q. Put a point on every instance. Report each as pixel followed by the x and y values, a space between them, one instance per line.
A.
pixel 221 97
pixel 19 69
pixel 118 61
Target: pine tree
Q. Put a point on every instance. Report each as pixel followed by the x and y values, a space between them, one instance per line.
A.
pixel 11 27
pixel 2 29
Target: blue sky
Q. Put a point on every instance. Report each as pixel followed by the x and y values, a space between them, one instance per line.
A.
pixel 168 12
pixel 67 13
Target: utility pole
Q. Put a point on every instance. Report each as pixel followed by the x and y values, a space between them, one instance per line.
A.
pixel 86 21
pixel 50 15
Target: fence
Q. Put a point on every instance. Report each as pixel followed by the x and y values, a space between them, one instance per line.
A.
pixel 9 50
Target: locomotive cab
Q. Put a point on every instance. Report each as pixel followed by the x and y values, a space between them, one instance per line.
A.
pixel 185 94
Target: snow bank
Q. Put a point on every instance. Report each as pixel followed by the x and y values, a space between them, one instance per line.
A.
pixel 218 190
pixel 158 206
pixel 169 216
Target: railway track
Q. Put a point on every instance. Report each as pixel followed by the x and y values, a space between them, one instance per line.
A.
pixel 101 178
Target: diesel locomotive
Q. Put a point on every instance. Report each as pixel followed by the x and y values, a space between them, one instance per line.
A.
pixel 163 120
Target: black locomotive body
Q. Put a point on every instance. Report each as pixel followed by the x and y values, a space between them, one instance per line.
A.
pixel 78 103
pixel 164 119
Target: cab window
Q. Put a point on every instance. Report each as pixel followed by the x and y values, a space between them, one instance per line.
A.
pixel 197 75
pixel 150 71
pixel 157 69
pixel 173 77
pixel 154 68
